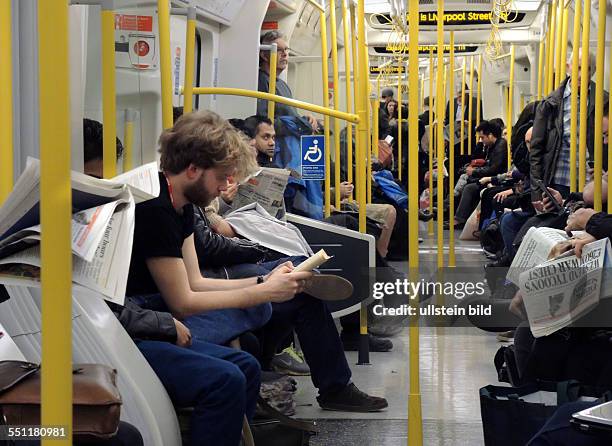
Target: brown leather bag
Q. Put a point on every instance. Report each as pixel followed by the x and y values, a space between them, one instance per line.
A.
pixel 96 399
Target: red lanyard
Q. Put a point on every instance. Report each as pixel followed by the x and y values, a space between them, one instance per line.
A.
pixel 169 188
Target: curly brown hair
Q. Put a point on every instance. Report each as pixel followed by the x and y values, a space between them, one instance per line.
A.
pixel 201 138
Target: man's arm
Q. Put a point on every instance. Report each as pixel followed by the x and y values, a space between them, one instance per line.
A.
pixel 538 146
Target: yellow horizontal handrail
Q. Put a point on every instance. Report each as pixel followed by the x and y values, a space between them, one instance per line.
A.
pixel 276 98
pixel 316 5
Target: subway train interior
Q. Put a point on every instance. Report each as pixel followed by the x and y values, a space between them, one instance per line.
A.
pixel 400 237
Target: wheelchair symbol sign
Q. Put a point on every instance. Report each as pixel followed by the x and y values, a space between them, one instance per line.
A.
pixel 313 157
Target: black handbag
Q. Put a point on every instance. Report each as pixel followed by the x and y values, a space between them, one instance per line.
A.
pixel 275 429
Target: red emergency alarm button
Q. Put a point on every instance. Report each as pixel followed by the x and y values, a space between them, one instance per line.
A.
pixel 141 48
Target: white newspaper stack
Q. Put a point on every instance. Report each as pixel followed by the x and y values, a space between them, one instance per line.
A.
pixel 266 187
pixel 559 291
pixel 102 228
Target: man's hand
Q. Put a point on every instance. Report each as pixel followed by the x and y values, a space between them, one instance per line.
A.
pixel 313 123
pixel 346 189
pixel 469 170
pixel 484 180
pixel 229 194
pixel 547 204
pixel 183 335
pixel 501 196
pixel 580 241
pixel 283 283
pixel 578 219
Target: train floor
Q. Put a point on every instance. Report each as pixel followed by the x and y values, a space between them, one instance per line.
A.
pixel 455 363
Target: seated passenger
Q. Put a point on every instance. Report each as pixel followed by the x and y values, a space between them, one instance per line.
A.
pixel 195 374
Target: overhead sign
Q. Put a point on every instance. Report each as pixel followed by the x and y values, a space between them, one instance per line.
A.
pixel 387 69
pixel 423 49
pixel 313 159
pixel 458 18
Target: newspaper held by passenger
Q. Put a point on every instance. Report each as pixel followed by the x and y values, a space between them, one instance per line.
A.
pixel 266 187
pixel 314 261
pixel 558 292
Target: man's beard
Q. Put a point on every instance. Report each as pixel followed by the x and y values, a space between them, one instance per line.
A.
pixel 197 194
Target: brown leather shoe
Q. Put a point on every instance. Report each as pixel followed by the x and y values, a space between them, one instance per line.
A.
pixel 329 287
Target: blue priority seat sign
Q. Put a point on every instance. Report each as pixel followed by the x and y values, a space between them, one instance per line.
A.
pixel 313 157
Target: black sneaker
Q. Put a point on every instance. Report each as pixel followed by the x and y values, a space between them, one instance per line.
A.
pixel 351 399
pixel 351 343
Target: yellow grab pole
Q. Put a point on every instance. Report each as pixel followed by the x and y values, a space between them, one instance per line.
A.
pixel 609 200
pixel 574 98
pixel 540 68
pixel 584 94
pixel 549 49
pixel 440 131
pixel 165 66
pixel 6 104
pixel 375 118
pixel 599 103
pixel 451 150
pixel 422 90
pixel 355 74
pixel 128 140
pixel 109 106
pixel 334 54
pixel 325 75
pixel 190 61
pixel 462 120
pixel 283 100
pixel 55 215
pixel 349 102
pixel 415 418
pixel 399 122
pixel 510 106
pixel 470 97
pixel 563 58
pixel 370 148
pixel 552 48
pixel 430 224
pixel 522 102
pixel 272 81
pixel 559 43
pixel 478 96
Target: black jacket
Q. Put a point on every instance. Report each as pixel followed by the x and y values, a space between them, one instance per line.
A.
pixel 547 135
pixel 497 160
pixel 466 111
pixel 145 324
pixel 600 225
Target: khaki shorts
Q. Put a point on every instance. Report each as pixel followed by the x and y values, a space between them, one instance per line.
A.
pixel 378 212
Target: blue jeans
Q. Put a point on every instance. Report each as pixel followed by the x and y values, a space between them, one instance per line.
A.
pixel 510 225
pixel 220 383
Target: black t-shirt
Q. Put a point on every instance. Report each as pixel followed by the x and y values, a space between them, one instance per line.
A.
pixel 159 232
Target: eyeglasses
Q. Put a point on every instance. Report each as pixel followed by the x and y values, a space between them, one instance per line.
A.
pixel 283 50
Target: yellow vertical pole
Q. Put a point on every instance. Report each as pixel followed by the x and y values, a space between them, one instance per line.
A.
pixel 415 421
pixel 399 122
pixel 584 94
pixel 510 105
pixel 362 141
pixel 470 97
pixel 540 68
pixel 574 98
pixel 552 47
pixel 422 97
pixel 334 54
pixel 563 58
pixel 461 120
pixel 522 102
pixel 190 63
pixel 478 95
pixel 559 43
pixel 6 104
pixel 349 102
pixel 272 81
pixel 355 74
pixel 370 147
pixel 430 224
pixel 325 76
pixel 609 200
pixel 549 49
pixel 451 150
pixel 165 66
pixel 440 130
pixel 599 103
pixel 128 140
pixel 109 106
pixel 55 214
pixel 376 117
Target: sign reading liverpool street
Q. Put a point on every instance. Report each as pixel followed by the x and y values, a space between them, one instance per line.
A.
pixel 430 18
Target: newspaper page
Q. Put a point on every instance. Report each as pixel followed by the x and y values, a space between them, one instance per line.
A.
pixel 266 187
pixel 559 291
pixel 108 271
pixel 534 249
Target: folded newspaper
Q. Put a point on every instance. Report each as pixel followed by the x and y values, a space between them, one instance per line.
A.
pixel 102 228
pixel 559 291
pixel 266 187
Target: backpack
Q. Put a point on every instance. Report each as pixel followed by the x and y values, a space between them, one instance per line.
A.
pixel 491 239
pixel 393 191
